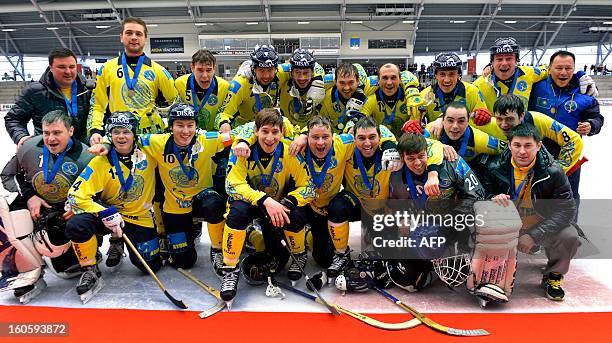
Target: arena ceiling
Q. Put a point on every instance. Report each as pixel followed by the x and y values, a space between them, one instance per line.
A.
pixel 92 27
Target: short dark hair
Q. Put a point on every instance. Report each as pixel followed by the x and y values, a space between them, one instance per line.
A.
pixel 203 56
pixel 60 53
pixel 134 20
pixel 365 122
pixel 346 69
pixel 509 102
pixel 319 120
pixel 411 143
pixel 57 115
pixel 562 53
pixel 458 105
pixel 268 116
pixel 525 130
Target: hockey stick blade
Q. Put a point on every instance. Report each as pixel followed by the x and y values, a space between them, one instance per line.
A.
pixel 176 302
pixel 219 306
pixel 430 323
pixel 322 301
pixel 361 317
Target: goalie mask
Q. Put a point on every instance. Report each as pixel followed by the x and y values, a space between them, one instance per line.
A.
pixel 410 275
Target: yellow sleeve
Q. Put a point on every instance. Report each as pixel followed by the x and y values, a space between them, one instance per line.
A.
pixel 233 99
pixel 305 190
pixel 236 184
pixel 486 144
pixel 166 84
pixel 371 107
pixel 474 98
pixel 386 135
pixel 90 182
pixel 181 88
pixel 569 141
pixel 95 120
pixel 435 152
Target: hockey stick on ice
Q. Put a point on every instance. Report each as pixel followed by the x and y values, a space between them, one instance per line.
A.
pixel 361 317
pixel 430 323
pixel 322 301
pixel 220 305
pixel 178 303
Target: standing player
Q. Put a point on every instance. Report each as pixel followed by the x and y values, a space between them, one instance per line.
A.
pixel 130 82
pixel 271 184
pixel 114 194
pixel 388 105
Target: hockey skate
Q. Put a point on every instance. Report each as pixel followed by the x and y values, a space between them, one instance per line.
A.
pixel 294 273
pixel 229 284
pixel 68 273
pixel 115 254
pixel 26 293
pixel 340 262
pixel 197 233
pixel 90 283
pixel 216 259
pixel 490 293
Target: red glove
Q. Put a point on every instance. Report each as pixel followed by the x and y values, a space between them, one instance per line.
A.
pixel 481 116
pixel 413 126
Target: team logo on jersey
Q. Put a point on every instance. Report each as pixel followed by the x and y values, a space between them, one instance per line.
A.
pixel 213 100
pixel 70 168
pixel 56 191
pixel 403 109
pixel 363 190
pixel 570 106
pixel 445 183
pixel 537 71
pixel 521 85
pixel 142 96
pixel 142 165
pixel 149 75
pixel 135 192
pixel 327 183
pixel 179 178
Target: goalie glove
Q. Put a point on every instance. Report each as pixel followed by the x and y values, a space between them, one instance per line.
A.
pixel 316 92
pixel 391 160
pixel 481 116
pixel 354 105
pixel 587 85
pixel 413 126
pixel 112 219
pixel 245 69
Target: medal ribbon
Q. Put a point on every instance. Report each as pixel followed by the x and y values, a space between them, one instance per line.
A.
pixel 199 107
pixel 412 188
pixel 389 118
pixel 464 140
pixel 341 115
pixel 440 97
pixel 510 90
pixel 49 176
pixel 188 171
pixel 318 178
pixel 131 82
pixel 71 105
pixel 364 173
pixel 266 179
pixel 125 184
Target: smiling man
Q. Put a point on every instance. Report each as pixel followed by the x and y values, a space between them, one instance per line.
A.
pixel 131 82
pixel 59 88
pixel 345 96
pixel 559 97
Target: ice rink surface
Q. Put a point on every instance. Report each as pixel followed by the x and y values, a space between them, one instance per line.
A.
pixel 588 284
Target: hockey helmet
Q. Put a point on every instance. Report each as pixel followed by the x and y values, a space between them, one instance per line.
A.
pixel 264 56
pixel 410 275
pixel 354 280
pixel 505 45
pixel 181 111
pixel 48 236
pixel 372 263
pixel 257 266
pixel 302 58
pixel 447 61
pixel 124 119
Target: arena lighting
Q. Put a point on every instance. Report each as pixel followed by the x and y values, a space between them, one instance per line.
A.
pixel 509 21
pixel 408 21
pixel 201 24
pixel 458 21
pixel 356 22
pixel 252 23
pixel 303 22
pixel 607 23
pixel 559 22
pixel 52 28
pixel 102 26
pixel 8 30
pixel 152 25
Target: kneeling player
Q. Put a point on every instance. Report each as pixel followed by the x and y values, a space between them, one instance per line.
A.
pixel 457 181
pixel 124 182
pixel 272 184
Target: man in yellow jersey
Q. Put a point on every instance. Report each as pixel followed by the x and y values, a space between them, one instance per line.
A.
pixel 508 78
pixel 345 96
pixel 185 163
pixel 130 82
pixel 113 194
pixel 388 105
pixel 366 177
pixel 529 176
pixel 271 184
pixel 510 111
pixel 448 87
pixel 249 95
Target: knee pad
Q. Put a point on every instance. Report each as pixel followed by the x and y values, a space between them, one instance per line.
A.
pixel 209 205
pixel 239 216
pixel 177 242
pixel 17 226
pixel 494 261
pixel 182 253
pixel 298 217
pixel 341 207
pixel 149 251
